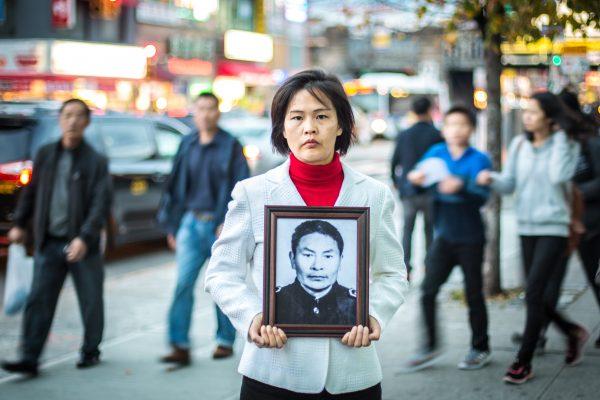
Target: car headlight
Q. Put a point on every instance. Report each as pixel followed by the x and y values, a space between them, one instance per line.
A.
pixel 251 152
pixel 378 125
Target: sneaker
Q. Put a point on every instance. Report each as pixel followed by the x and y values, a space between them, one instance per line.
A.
pixel 575 346
pixel 423 359
pixel 518 373
pixel 540 348
pixel 475 359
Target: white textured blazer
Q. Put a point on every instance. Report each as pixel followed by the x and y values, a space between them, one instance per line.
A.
pixel 306 365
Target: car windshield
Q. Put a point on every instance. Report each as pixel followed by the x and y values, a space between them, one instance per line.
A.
pixel 15 137
pixel 243 128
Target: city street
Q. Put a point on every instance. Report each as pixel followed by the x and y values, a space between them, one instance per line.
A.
pixel 138 288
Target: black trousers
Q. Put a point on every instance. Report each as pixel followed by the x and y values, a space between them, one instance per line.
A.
pixel 411 206
pixel 441 259
pixel 544 263
pixel 50 271
pixel 254 390
pixel 589 252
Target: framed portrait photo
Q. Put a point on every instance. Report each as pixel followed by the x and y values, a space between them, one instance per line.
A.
pixel 316 280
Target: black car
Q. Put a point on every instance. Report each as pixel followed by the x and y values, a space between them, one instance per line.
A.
pixel 140 151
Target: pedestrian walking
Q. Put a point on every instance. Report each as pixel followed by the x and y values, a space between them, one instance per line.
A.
pixel 67 204
pixel 207 165
pixel 587 180
pixel 459 238
pixel 312 123
pixel 411 145
pixel 587 183
pixel 539 168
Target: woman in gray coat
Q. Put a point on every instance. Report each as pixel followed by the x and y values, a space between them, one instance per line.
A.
pixel 539 169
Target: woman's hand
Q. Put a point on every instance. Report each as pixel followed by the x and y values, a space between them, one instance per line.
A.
pixel 360 336
pixel 266 336
pixel 484 178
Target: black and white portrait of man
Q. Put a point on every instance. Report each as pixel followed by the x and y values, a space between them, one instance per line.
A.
pixel 317 279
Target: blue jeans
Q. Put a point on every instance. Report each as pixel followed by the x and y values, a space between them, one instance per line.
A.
pixel 194 241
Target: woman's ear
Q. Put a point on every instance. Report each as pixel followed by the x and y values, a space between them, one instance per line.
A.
pixel 339 131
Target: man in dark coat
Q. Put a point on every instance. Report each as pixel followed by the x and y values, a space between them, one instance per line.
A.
pixel 411 145
pixel 67 202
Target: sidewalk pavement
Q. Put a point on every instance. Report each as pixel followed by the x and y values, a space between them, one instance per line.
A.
pixel 137 301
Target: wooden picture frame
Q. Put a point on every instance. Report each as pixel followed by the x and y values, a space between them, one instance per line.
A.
pixel 329 293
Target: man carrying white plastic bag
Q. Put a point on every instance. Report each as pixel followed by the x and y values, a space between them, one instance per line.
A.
pixel 19 274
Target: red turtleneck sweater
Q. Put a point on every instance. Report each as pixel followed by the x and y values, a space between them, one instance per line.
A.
pixel 319 185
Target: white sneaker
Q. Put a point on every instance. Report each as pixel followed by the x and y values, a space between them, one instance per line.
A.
pixel 475 359
pixel 423 359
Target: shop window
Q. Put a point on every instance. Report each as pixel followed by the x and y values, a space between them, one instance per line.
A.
pixel 127 140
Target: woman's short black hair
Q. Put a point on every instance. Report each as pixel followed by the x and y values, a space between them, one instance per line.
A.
pixel 86 109
pixel 464 111
pixel 319 84
pixel 316 226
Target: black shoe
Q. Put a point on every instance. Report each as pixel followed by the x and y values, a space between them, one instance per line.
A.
pixel 87 361
pixel 540 348
pixel 597 344
pixel 575 345
pixel 21 367
pixel 518 373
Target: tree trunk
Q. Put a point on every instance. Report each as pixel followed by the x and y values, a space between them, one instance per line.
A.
pixel 494 147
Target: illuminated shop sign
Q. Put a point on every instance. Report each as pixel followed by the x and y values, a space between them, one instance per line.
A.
pixel 248 46
pixel 100 60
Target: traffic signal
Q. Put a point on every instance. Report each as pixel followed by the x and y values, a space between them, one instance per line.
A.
pixel 556 60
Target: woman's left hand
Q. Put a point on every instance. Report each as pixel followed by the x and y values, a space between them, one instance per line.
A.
pixel 361 336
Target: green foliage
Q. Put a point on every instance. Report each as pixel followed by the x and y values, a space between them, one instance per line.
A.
pixel 526 20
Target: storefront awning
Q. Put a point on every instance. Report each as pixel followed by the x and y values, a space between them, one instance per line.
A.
pixel 251 74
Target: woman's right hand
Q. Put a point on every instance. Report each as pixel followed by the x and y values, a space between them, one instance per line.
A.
pixel 266 336
pixel 484 178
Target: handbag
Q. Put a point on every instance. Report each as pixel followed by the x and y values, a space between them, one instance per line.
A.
pixel 19 275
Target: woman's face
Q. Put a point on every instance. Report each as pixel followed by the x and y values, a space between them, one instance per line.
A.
pixel 311 128
pixel 534 119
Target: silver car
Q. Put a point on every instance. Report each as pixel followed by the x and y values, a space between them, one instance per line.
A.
pixel 254 134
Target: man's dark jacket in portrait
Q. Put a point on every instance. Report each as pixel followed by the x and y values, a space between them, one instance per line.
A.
pixel 293 305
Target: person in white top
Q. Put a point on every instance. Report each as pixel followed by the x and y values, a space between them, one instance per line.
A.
pixel 312 119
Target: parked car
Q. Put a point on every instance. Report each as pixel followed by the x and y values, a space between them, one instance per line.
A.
pixel 140 152
pixel 254 134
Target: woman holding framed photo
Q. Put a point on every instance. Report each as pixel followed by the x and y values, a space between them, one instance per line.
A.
pixel 313 123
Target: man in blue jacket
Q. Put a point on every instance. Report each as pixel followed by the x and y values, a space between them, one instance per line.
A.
pixel 459 237
pixel 207 166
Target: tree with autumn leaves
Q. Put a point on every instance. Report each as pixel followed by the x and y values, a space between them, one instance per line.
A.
pixel 511 21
